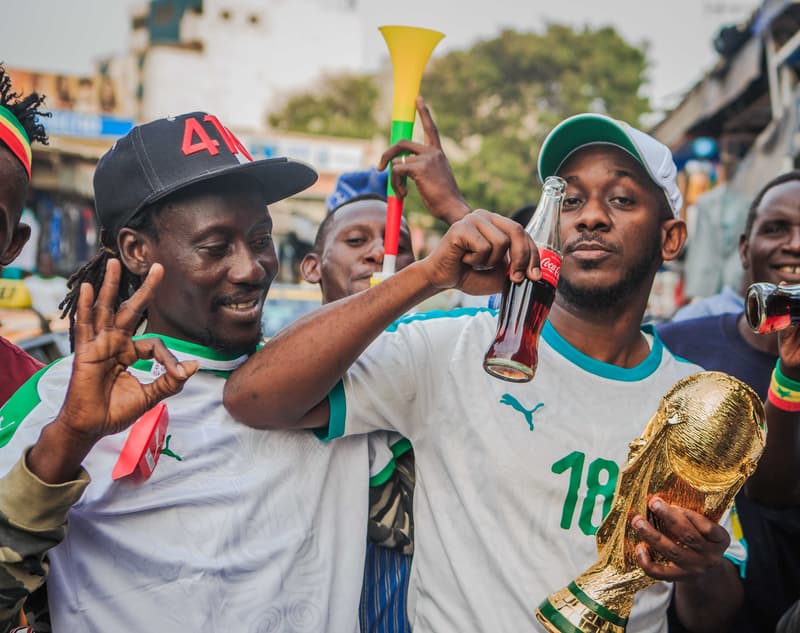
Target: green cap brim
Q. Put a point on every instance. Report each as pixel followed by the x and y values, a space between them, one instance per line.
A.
pixel 580 131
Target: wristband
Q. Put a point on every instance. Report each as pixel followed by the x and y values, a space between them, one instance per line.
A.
pixel 784 393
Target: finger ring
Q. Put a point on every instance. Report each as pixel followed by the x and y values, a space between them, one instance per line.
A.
pixel 403 159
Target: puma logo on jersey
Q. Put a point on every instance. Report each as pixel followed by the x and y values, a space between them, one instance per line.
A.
pixel 512 402
pixel 168 452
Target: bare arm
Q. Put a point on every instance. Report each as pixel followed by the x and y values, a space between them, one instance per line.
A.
pixel 708 592
pixel 303 362
pixel 776 481
pixel 280 385
pixel 709 602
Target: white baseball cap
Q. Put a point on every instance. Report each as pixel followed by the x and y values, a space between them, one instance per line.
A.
pixel 582 130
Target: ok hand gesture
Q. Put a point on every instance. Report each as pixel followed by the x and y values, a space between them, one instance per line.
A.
pixel 102 397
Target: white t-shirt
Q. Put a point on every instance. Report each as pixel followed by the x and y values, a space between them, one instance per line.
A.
pixel 512 479
pixel 250 531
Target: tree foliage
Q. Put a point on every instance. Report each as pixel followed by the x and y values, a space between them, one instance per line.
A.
pixel 342 105
pixel 496 101
pixel 500 98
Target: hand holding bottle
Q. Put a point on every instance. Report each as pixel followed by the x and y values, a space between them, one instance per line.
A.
pixel 525 304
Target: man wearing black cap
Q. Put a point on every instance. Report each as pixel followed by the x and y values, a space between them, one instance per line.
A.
pixel 513 479
pixel 234 529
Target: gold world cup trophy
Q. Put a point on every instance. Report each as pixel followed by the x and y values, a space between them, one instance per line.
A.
pixel 696 452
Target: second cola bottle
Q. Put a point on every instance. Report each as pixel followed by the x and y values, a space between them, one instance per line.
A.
pixel 770 308
pixel 524 307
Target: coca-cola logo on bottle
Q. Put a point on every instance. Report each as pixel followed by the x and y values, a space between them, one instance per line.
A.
pixel 550 263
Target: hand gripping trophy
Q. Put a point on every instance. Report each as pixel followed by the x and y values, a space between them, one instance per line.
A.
pixel 696 452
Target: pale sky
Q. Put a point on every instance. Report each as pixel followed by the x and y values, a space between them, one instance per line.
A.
pixel 66 35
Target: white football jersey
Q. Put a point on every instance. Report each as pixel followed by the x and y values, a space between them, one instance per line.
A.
pixel 236 530
pixel 513 479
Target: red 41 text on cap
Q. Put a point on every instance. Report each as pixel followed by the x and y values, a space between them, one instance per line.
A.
pixel 197 139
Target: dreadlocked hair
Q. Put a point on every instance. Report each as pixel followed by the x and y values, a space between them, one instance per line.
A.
pixel 94 270
pixel 26 109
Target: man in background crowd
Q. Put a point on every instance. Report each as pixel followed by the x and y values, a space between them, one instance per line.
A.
pixel 768 509
pixel 19 127
pixel 347 250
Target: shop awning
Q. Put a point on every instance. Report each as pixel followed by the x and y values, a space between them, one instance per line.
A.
pixel 721 86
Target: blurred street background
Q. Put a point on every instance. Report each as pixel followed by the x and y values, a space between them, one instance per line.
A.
pixel 717 81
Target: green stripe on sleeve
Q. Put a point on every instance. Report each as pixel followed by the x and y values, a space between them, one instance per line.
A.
pixel 383 476
pixel 400 447
pixel 19 406
pixel 338 412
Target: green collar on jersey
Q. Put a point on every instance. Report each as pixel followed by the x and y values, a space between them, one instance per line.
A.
pixel 606 370
pixel 193 349
pixel 209 359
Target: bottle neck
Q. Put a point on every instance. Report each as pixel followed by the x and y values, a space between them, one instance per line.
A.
pixel 545 225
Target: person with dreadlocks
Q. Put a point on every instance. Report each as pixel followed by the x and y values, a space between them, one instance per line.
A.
pixel 19 127
pixel 234 528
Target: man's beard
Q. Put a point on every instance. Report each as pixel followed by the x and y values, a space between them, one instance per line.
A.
pixel 227 347
pixel 223 346
pixel 597 298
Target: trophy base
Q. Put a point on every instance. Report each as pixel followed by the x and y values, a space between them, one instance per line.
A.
pixel 570 610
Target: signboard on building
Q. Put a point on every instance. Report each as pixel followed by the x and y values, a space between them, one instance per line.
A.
pixel 85 125
pixel 325 155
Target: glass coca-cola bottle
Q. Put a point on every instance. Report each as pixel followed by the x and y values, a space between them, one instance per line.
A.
pixel 770 308
pixel 525 305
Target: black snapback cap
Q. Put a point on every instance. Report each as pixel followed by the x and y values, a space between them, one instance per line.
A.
pixel 158 158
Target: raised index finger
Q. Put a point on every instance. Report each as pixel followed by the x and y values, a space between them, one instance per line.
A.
pixel 428 126
pixel 106 298
pixel 84 323
pixel 130 313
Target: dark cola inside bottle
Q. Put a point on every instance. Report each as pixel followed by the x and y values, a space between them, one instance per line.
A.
pixel 770 308
pixel 513 355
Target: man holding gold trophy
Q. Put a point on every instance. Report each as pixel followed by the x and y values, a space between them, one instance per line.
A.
pixel 514 480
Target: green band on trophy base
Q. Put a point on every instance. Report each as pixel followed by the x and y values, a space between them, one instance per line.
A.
pixel 556 619
pixel 596 607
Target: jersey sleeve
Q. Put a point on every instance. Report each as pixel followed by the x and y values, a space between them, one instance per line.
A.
pixel 33 520
pixel 390 386
pixel 737 550
pixel 35 404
